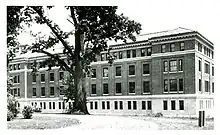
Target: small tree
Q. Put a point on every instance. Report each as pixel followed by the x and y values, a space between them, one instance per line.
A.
pixel 27 112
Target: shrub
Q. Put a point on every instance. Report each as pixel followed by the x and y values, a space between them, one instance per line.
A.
pixel 11 105
pixel 159 114
pixel 27 112
pixel 38 109
pixel 10 115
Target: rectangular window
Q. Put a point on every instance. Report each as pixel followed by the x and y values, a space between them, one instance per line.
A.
pixel 173 65
pixel 129 105
pixel 143 105
pixel 91 105
pixel 181 105
pixel 51 76
pixel 165 66
pixel 115 55
pixel 18 92
pixel 172 47
pixel 52 91
pixel 105 72
pixel 108 104
pixel 93 88
pixel 50 105
pixel 199 47
pixel 105 88
pixel 146 69
pixel 206 86
pixel 40 104
pixel 182 46
pixel 61 75
pixel 63 105
pixel 212 53
pixel 146 87
pixel 128 54
pixel 96 105
pixel 135 105
pixel 180 85
pixel 212 71
pixel 133 53
pixel 200 85
pixel 207 68
pixel 42 91
pixel 62 90
pixel 45 105
pixel 143 52
pixel 173 105
pixel 131 69
pixel 120 55
pixel 118 87
pixel 121 105
pixel 116 105
pixel 149 51
pixel 118 71
pixel 59 105
pixel 165 89
pixel 213 87
pixel 15 79
pixel 103 104
pixel 54 105
pixel 173 85
pixel 34 78
pixel 15 67
pixel 102 57
pixel 42 77
pixel 149 105
pixel 163 48
pixel 200 65
pixel 93 73
pixel 34 92
pixel 131 87
pixel 180 65
pixel 165 106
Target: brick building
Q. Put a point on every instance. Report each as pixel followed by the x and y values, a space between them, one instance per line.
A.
pixel 171 72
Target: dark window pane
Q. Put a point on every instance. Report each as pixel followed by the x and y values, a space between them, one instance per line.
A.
pixel 128 54
pixel 93 88
pixel 165 85
pixel 129 105
pixel 131 70
pixel 118 87
pixel 118 71
pixel 133 53
pixel 42 77
pixel 121 105
pixel 96 105
pixel 135 105
pixel 34 92
pixel 143 105
pixel 180 65
pixel 61 75
pixel 120 55
pixel 91 105
pixel 146 69
pixel 180 84
pixel 182 46
pixel 105 88
pixel 165 105
pixel 93 73
pixel 149 105
pixel 131 87
pixel 103 104
pixel 146 87
pixel 181 105
pixel 173 105
pixel 108 105
pixel 149 51
pixel 116 105
pixel 42 91
pixel 52 91
pixel 173 85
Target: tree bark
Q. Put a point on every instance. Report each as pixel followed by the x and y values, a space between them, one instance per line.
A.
pixel 80 97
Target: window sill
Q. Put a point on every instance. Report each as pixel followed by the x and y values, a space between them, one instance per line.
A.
pixel 131 75
pixel 118 93
pixel 34 96
pixel 105 77
pixel 94 78
pixel 42 82
pixel 43 96
pixel 180 71
pixel 118 76
pixel 166 92
pixel 173 92
pixel 93 94
pixel 165 72
pixel 105 94
pixel 146 93
pixel 52 96
pixel 146 74
pixel 33 82
pixel 172 72
pixel 51 81
pixel 180 91
pixel 131 93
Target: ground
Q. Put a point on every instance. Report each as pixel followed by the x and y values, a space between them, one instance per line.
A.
pixel 96 122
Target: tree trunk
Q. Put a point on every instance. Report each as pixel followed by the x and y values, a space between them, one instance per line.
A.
pixel 80 97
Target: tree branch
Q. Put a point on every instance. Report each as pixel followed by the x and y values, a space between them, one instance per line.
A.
pixel 73 16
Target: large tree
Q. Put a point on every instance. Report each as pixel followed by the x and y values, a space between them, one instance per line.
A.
pixel 93 28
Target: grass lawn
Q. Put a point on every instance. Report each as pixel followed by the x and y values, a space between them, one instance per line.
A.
pixel 165 123
pixel 41 122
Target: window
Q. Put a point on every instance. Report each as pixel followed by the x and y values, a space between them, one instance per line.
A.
pixel 45 105
pixel 143 52
pixel 173 66
pixel 103 104
pixel 131 70
pixel 206 86
pixel 133 53
pixel 129 105
pixel 173 105
pixel 182 46
pixel 51 76
pixel 165 105
pixel 165 89
pixel 118 87
pixel 18 92
pixel 172 47
pixel 128 54
pixel 173 85
pixel 149 51
pixel 165 66
pixel 115 55
pixel 200 65
pixel 200 85
pixel 63 105
pixel 105 72
pixel 118 71
pixel 93 88
pixel 199 47
pixel 212 54
pixel 207 68
pixel 212 71
pixel 213 87
pixel 15 67
pixel 181 85
pixel 181 105
pixel 19 67
pixel 116 105
pixel 93 73
pixel 50 105
pixel 42 77
pixel 131 87
pixel 146 69
pixel 121 105
pixel 61 75
pixel 108 105
pixel 102 57
pixel 105 88
pixel 180 65
pixel 107 56
pixel 143 105
pixel 59 105
pixel 120 55
pixel 34 78
pixel 52 91
pixel 34 92
pixel 149 105
pixel 163 48
pixel 17 79
pixel 42 91
pixel 91 105
pixel 135 105
pixel 205 50
pixel 96 105
pixel 62 90
pixel 54 105
pixel 146 87
pixel 10 67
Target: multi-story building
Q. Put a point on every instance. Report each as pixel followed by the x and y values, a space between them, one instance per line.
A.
pixel 171 72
